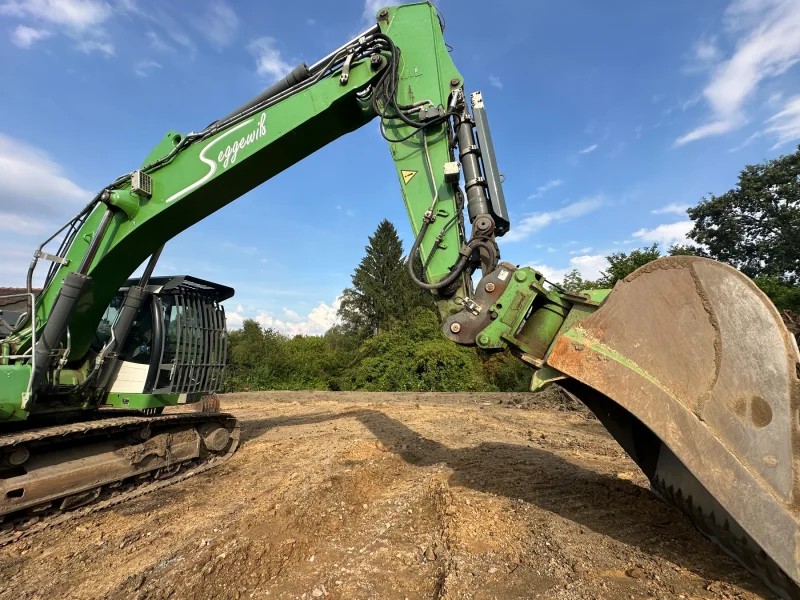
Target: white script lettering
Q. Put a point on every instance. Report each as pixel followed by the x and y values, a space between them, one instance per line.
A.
pixel 228 155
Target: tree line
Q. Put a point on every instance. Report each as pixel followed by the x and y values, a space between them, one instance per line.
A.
pixel 390 338
pixel 755 227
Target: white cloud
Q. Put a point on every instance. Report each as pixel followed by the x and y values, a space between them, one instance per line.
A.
pixel 543 189
pixel 768 45
pixel 24 37
pixel 371 8
pixel 145 68
pixel 319 320
pixel 713 128
pixel 705 54
pixel 158 44
pixel 494 80
pixel 750 139
pixel 706 50
pixel 582 250
pixel 553 274
pixel 76 14
pixel 588 149
pixel 30 184
pixel 290 314
pixel 686 105
pixel 537 221
pixel 269 63
pixel 219 24
pixel 157 16
pixel 249 250
pixel 786 124
pixel 234 320
pixel 588 266
pixel 35 198
pixel 89 46
pixel 17 223
pixel 81 20
pixel 674 208
pixel 666 234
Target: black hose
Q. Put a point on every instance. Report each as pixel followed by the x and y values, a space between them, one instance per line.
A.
pixel 457 269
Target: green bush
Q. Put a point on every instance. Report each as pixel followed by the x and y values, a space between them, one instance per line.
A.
pixel 417 357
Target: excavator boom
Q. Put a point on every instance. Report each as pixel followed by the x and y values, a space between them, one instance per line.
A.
pixel 686 363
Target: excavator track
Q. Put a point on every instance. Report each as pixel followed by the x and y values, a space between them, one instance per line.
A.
pixel 152 452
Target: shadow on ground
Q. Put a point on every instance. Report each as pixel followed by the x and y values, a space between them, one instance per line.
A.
pixel 607 505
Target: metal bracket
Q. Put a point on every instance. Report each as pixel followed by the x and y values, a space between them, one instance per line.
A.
pixel 345 76
pixel 472 306
pixel 452 172
pixel 51 257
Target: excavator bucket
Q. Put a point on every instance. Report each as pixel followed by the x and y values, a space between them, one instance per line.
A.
pixel 690 367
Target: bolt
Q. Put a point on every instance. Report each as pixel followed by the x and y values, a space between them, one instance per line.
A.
pixel 454 82
pixel 375 61
pixel 483 340
pixel 489 287
pixel 520 275
pixel 455 327
pixel 383 14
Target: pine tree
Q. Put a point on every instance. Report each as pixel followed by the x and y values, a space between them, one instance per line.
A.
pixel 382 292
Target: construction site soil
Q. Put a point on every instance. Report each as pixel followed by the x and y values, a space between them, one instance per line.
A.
pixel 346 495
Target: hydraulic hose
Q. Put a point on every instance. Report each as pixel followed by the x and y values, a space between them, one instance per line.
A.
pixel 457 269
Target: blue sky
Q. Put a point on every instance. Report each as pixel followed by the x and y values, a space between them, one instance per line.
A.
pixel 608 120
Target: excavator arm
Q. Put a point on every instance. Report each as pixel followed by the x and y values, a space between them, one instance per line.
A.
pixel 686 362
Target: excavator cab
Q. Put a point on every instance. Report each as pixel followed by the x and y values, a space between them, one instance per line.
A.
pixel 177 346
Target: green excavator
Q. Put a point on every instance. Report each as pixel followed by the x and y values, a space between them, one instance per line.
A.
pixel 686 362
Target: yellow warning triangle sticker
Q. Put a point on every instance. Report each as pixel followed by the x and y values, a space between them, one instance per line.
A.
pixel 407 176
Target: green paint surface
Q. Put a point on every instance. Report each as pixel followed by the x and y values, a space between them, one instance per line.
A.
pixel 214 172
pixel 139 401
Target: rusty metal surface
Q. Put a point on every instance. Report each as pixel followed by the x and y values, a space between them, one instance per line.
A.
pixel 53 475
pixel 490 288
pixel 792 322
pixel 59 455
pixel 694 351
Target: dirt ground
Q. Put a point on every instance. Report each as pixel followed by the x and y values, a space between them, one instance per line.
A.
pixel 390 496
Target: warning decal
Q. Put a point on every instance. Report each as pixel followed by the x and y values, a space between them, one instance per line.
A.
pixel 407 176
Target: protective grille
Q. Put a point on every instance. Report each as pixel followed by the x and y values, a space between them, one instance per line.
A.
pixel 195 346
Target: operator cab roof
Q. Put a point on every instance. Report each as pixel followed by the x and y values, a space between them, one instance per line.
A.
pixel 184 284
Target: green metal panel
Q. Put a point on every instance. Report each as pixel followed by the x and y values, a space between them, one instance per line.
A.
pixel 515 310
pixel 596 295
pixel 210 174
pixel 139 401
pixel 426 73
pixel 13 384
pixel 203 178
